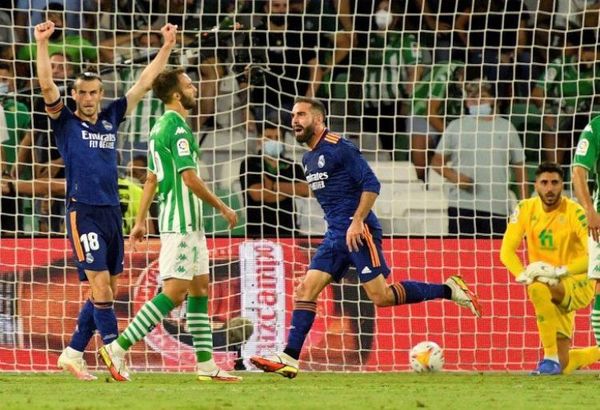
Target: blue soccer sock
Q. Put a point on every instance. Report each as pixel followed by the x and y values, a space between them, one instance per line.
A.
pixel 85 327
pixel 414 292
pixel 106 321
pixel 303 317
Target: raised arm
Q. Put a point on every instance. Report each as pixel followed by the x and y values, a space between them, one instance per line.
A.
pixel 144 83
pixel 50 92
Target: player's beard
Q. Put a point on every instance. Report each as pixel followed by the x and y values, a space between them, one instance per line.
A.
pixel 189 103
pixel 306 134
pixel 89 112
pixel 550 201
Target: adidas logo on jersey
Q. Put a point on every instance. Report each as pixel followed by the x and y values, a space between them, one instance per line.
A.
pixel 180 130
pixel 365 270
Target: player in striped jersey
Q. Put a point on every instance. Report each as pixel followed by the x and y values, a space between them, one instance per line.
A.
pixel 346 188
pixel 173 169
pixel 556 231
pixel 86 139
pixel 586 162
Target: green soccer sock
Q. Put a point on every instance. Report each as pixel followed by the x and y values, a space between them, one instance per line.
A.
pixel 199 326
pixel 595 319
pixel 149 316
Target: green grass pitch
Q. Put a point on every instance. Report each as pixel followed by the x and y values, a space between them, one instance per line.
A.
pixel 365 391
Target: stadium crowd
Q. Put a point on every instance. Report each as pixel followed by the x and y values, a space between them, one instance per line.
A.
pixel 396 69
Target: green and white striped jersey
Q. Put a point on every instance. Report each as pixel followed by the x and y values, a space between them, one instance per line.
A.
pixel 137 126
pixel 439 83
pixel 568 85
pixel 587 155
pixel 388 58
pixel 172 150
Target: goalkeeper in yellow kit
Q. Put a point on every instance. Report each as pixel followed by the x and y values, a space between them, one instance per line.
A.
pixel 556 277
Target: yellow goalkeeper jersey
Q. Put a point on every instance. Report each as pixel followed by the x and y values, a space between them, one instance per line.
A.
pixel 558 237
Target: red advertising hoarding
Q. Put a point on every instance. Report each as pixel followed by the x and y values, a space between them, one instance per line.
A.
pixel 40 297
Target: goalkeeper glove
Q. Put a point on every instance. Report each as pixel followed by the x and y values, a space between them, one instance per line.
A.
pixel 524 278
pixel 537 269
pixel 548 281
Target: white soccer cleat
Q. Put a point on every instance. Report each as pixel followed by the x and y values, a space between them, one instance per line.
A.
pixel 462 295
pixel 280 363
pixel 76 366
pixel 217 375
pixel 116 363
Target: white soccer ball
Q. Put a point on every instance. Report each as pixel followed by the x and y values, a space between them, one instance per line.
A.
pixel 426 357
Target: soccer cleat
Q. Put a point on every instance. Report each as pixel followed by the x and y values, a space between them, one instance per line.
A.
pixel 116 365
pixel 217 375
pixel 280 363
pixel 462 295
pixel 547 367
pixel 76 366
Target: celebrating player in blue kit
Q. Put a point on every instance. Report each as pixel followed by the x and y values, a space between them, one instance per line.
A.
pixel 346 189
pixel 87 142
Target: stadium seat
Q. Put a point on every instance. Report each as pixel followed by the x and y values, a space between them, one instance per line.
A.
pixel 415 213
pixel 435 182
pixel 310 216
pixel 395 171
pixel 399 176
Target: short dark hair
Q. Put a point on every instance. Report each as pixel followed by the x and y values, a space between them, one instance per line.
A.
pixel 552 167
pixel 87 76
pixel 142 158
pixel 267 125
pixel 55 6
pixel 315 105
pixel 166 83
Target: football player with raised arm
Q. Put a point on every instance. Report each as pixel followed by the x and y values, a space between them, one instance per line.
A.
pixel 87 141
pixel 346 188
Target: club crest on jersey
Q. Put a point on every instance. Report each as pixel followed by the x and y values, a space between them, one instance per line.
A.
pixel 321 161
pixel 89 258
pixel 582 147
pixel 107 125
pixel 183 147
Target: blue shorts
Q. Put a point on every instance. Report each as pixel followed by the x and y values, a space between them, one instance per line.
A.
pixel 334 257
pixel 96 235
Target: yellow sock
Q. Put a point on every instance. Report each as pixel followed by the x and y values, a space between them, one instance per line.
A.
pixel 579 358
pixel 546 314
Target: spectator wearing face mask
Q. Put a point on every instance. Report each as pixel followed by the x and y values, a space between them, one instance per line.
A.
pixel 482 146
pixel 394 66
pixel 269 181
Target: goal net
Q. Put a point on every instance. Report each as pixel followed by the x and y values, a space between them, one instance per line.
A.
pixel 393 76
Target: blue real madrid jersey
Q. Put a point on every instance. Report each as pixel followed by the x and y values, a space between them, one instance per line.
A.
pixel 90 154
pixel 338 174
